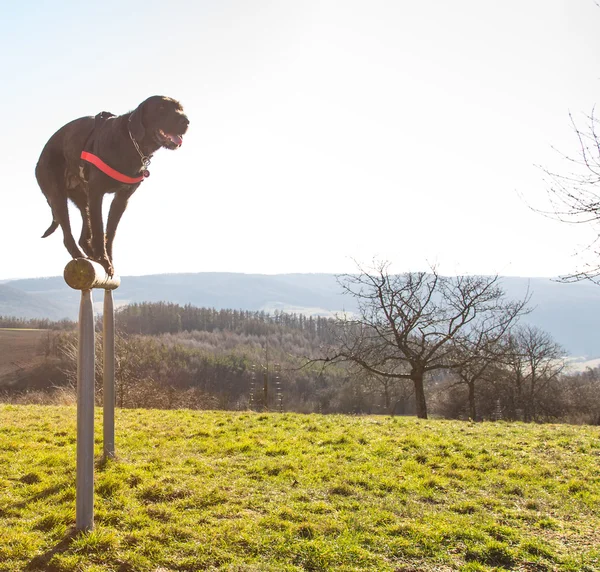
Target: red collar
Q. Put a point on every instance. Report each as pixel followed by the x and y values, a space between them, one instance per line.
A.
pixel 112 173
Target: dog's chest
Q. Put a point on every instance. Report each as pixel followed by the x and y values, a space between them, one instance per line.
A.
pixel 87 180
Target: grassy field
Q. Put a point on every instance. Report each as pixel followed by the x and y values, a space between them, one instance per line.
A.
pixel 268 492
pixel 20 349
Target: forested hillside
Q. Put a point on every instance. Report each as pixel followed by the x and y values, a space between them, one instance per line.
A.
pixel 169 318
pixel 183 356
pixel 172 356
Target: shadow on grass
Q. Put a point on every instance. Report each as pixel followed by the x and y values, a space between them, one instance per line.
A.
pixel 102 463
pixel 41 562
pixel 39 496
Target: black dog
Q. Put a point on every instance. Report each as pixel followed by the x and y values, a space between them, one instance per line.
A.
pixel 92 156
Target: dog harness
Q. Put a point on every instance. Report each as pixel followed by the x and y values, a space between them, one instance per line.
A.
pixel 107 169
pixel 112 173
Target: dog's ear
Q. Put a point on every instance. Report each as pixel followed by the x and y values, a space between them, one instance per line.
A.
pixel 136 126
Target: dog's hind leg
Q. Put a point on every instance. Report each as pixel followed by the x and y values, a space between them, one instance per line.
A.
pixel 60 211
pixel 49 173
pixel 79 197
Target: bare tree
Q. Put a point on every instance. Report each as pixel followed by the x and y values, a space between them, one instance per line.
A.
pixel 575 196
pixel 535 361
pixel 481 369
pixel 581 397
pixel 411 324
pixel 389 392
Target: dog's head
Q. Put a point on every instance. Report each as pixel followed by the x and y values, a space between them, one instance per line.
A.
pixel 160 120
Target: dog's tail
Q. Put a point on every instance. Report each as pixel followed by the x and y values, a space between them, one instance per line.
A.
pixel 51 229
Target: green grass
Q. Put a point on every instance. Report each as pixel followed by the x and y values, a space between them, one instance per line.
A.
pixel 268 492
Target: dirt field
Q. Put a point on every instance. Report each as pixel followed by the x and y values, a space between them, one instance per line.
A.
pixel 20 349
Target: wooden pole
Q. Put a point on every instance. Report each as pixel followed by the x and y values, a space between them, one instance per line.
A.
pixel 83 274
pixel 85 415
pixel 108 345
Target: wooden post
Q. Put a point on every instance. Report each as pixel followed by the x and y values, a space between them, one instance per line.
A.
pixel 85 415
pixel 108 345
pixel 82 274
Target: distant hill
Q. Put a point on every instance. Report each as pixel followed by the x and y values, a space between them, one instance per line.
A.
pixel 20 303
pixel 310 293
pixel 570 312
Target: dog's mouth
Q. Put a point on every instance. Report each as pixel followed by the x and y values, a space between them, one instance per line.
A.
pixel 169 140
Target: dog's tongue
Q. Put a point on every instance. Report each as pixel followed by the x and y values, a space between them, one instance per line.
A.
pixel 177 139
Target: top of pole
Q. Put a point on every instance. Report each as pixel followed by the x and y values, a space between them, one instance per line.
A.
pixel 85 274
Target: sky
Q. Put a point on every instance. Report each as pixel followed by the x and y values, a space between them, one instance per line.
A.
pixel 323 132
